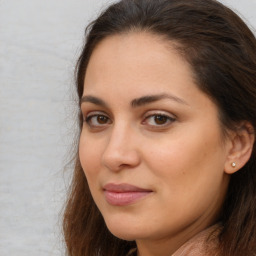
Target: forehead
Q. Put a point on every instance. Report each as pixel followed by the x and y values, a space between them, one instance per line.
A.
pixel 135 59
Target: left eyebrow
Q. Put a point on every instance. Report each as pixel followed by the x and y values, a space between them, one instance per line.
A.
pixel 153 98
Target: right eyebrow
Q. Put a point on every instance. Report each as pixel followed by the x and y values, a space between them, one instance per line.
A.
pixel 94 100
pixel 147 99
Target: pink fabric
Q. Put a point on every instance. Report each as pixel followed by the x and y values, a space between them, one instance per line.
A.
pixel 203 244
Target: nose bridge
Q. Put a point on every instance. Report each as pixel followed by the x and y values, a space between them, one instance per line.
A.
pixel 121 147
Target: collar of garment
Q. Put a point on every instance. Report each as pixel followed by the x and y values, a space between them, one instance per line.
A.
pixel 203 244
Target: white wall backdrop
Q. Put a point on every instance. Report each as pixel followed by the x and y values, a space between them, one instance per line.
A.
pixel 39 43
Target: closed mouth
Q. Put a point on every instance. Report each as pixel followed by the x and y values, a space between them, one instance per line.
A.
pixel 124 194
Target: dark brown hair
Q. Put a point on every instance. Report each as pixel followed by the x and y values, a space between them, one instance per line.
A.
pixel 221 51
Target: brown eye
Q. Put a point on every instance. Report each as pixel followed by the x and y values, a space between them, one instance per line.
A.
pixel 102 119
pixel 97 120
pixel 160 120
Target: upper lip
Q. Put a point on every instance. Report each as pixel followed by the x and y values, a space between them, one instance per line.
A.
pixel 124 187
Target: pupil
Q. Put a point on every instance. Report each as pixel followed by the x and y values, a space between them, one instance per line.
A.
pixel 101 119
pixel 160 119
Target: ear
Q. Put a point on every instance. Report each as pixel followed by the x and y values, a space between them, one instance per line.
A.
pixel 241 146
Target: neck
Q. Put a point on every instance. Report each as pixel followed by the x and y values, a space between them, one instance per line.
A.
pixel 177 244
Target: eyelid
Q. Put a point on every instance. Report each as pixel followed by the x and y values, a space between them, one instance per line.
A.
pixel 159 112
pixel 96 112
pixel 172 118
pixel 88 117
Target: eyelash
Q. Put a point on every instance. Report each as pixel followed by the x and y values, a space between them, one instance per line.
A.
pixel 89 119
pixel 162 117
pixel 166 118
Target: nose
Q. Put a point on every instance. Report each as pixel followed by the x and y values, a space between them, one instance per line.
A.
pixel 121 150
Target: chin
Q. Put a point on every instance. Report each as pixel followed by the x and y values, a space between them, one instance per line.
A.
pixel 126 231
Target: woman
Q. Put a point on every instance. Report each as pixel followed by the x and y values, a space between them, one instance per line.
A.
pixel 166 161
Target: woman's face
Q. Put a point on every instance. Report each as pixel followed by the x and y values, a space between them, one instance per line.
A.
pixel 151 146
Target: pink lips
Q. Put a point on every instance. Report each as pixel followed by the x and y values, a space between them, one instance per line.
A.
pixel 123 194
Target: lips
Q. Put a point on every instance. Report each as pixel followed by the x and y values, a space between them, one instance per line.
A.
pixel 124 194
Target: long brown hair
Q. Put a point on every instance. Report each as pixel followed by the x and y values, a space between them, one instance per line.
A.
pixel 221 51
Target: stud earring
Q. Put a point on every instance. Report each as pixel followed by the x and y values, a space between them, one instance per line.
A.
pixel 233 164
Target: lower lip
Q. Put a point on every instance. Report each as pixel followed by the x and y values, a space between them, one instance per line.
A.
pixel 124 198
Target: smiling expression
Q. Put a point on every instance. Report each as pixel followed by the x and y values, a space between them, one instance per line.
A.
pixel 151 146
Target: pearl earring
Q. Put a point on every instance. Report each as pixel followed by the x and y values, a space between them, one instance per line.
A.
pixel 233 164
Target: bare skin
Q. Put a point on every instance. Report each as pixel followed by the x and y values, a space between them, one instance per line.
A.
pixel 147 125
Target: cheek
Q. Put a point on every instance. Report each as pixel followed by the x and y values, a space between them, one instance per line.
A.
pixel 187 158
pixel 90 155
pixel 189 177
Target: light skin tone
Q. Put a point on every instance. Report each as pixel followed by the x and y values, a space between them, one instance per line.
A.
pixel 148 125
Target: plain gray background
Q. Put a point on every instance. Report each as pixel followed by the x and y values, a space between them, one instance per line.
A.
pixel 39 43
